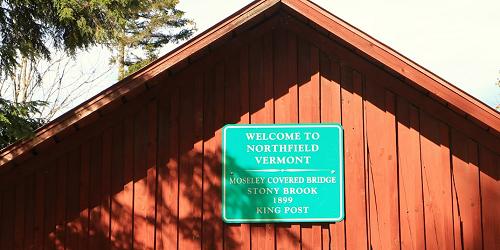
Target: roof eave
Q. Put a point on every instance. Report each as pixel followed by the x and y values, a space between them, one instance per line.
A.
pixel 363 42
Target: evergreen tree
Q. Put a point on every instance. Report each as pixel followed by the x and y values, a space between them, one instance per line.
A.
pixel 17 120
pixel 145 29
pixel 29 27
pixel 32 29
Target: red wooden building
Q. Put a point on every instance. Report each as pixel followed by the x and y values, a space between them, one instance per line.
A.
pixel 138 166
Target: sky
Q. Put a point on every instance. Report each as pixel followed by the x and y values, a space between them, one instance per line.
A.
pixel 459 40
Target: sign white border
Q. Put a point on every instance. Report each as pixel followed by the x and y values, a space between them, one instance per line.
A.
pixel 263 220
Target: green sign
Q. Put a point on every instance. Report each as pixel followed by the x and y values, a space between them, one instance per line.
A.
pixel 282 173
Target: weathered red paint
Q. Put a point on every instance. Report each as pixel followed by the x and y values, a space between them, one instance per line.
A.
pixel 142 170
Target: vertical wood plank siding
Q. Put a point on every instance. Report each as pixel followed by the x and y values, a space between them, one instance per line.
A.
pixel 147 176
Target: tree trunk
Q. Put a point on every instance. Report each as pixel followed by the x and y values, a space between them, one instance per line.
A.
pixel 121 61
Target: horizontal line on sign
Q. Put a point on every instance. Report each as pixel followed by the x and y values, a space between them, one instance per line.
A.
pixel 274 170
pixel 340 218
pixel 285 126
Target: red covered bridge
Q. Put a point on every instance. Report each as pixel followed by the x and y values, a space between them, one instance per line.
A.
pixel 138 166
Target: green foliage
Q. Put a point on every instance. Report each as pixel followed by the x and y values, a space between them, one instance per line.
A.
pixel 29 28
pixel 151 23
pixel 138 65
pixel 17 120
pixel 146 28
